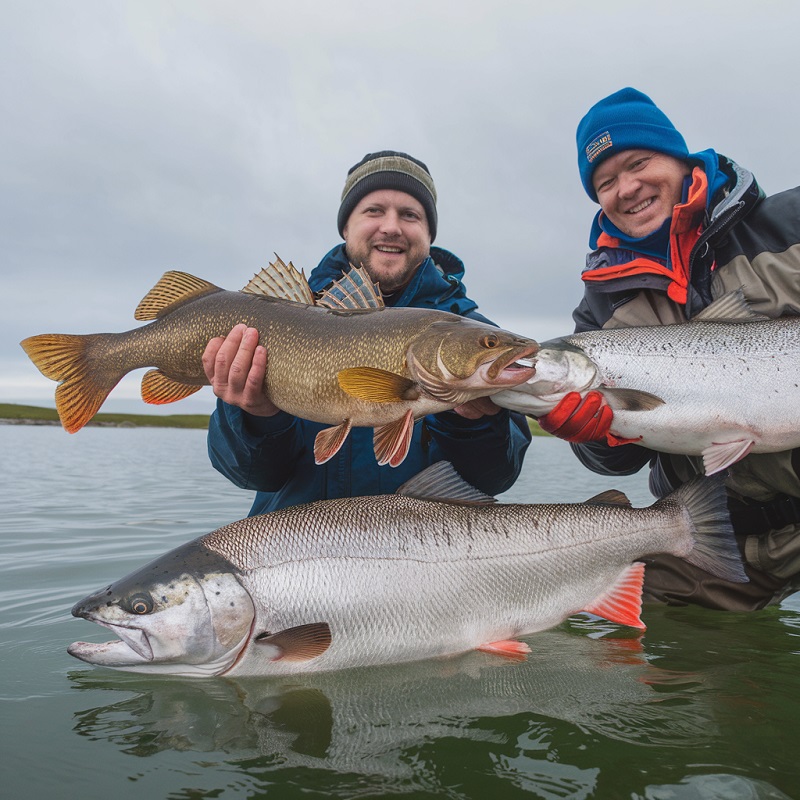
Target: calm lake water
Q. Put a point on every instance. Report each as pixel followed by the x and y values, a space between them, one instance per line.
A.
pixel 703 705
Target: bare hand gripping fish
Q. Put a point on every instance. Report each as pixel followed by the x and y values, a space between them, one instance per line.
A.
pixel 341 359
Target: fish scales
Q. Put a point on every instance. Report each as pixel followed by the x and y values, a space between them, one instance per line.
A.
pixel 416 561
pixel 720 388
pixel 354 365
pixel 374 580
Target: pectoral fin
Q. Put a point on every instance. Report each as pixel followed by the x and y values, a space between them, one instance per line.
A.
pixel 329 441
pixel 631 399
pixel 377 385
pixel 510 648
pixel 158 388
pixel 720 455
pixel 622 603
pixel 301 643
pixel 391 442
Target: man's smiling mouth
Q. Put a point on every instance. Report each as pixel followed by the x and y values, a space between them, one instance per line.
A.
pixel 641 207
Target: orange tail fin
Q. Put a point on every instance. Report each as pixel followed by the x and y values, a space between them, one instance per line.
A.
pixel 83 383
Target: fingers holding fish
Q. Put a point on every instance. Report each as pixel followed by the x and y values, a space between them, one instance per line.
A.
pixel 475 409
pixel 235 367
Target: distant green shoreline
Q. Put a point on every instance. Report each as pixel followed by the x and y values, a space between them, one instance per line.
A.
pixel 14 414
pixel 35 415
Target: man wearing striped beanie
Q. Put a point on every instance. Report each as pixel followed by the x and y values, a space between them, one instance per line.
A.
pixel 387 218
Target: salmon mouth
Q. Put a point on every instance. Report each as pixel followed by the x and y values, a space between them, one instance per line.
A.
pixel 131 647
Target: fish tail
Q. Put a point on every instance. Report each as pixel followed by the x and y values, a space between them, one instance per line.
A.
pixel 84 381
pixel 714 545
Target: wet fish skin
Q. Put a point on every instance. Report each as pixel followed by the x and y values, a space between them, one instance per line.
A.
pixel 719 386
pixel 376 580
pixel 424 361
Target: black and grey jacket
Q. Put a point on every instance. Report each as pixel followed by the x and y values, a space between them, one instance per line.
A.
pixel 749 241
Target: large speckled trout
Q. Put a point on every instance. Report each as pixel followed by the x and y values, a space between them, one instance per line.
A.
pixel 725 384
pixel 432 570
pixel 341 359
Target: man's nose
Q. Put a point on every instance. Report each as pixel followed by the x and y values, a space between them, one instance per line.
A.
pixel 390 223
pixel 628 183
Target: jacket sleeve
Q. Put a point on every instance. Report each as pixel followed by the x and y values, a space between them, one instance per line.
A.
pixel 254 452
pixel 486 452
pixel 606 460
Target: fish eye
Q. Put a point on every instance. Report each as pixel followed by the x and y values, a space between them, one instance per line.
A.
pixel 140 603
pixel 490 340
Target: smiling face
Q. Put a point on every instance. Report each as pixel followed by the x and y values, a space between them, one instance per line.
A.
pixel 388 235
pixel 637 189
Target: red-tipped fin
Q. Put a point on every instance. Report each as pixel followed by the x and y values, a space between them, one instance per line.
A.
pixel 442 483
pixel 329 441
pixel 283 281
pixel 510 648
pixel 354 291
pixel 158 388
pixel 173 290
pixel 622 603
pixel 301 643
pixel 720 455
pixel 376 385
pixel 391 442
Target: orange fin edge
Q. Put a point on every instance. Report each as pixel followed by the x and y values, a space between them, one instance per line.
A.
pixel 622 602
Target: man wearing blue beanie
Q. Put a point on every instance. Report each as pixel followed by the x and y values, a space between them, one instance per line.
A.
pixel 676 230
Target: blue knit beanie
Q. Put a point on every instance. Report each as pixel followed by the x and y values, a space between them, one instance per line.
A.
pixel 625 120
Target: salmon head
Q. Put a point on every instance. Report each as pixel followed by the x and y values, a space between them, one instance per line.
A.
pixel 456 360
pixel 185 613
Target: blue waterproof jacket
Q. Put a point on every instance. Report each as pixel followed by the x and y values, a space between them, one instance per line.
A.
pixel 274 455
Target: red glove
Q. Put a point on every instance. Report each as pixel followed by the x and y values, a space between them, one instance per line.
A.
pixel 582 419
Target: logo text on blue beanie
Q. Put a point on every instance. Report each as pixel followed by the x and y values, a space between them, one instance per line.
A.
pixel 596 146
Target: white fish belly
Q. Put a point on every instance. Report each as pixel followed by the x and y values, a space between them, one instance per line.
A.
pixel 393 610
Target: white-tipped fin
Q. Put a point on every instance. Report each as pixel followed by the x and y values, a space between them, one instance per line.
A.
pixel 720 455
pixel 353 291
pixel 283 281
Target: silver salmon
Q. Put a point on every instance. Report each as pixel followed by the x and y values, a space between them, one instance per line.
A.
pixel 725 384
pixel 433 570
pixel 340 359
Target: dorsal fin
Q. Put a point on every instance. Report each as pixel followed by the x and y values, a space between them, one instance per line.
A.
pixel 611 497
pixel 173 289
pixel 352 291
pixel 441 482
pixel 731 307
pixel 283 281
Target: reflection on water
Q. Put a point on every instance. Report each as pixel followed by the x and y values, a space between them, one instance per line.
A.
pixel 361 719
pixel 703 705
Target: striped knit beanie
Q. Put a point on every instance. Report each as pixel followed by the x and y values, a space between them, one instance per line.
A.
pixel 388 169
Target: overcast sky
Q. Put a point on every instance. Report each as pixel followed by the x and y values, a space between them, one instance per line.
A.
pixel 150 135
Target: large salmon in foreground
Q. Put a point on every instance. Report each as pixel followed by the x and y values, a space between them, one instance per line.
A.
pixel 724 384
pixel 374 580
pixel 340 359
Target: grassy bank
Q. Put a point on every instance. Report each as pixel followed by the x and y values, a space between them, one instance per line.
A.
pixel 34 415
